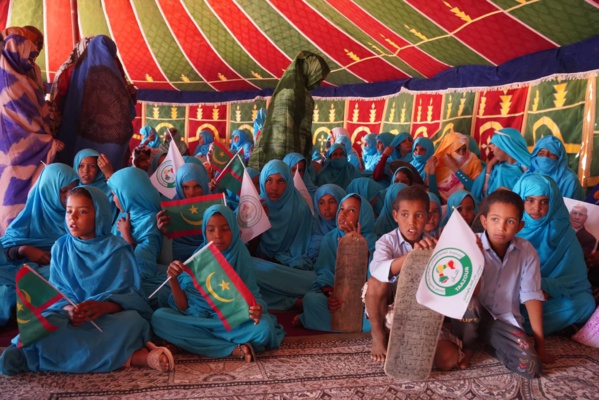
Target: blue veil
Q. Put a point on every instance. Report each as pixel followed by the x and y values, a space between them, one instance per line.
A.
pixel 419 161
pixel 385 222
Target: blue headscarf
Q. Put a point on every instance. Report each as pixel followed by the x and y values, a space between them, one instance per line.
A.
pixel 419 161
pixel 338 171
pixel 322 226
pixel 203 149
pixel 399 139
pixel 566 179
pixel 352 155
pixel 192 160
pixel 385 222
pixel 141 200
pixel 191 172
pixel 243 143
pixel 510 140
pixel 259 123
pixel 100 181
pixel 316 156
pixel 41 222
pixel 325 264
pixel 369 153
pixel 435 199
pixel 563 269
pixel 370 190
pixel 454 201
pixel 101 269
pixel 146 132
pixel 291 219
pixel 293 158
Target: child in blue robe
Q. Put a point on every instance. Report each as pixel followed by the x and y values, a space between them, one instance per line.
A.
pixel 352 155
pixel 240 140
pixel 402 147
pixel 205 139
pixel 371 191
pixel 326 203
pixel 568 296
pixel 296 161
pixel 193 325
pixel 464 202
pixel 354 215
pixel 86 166
pixel 97 271
pixel 337 169
pixel 369 152
pixel 385 222
pixel 422 150
pixel 30 236
pixel 139 202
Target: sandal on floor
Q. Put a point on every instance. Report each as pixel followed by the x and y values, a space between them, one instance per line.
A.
pixel 154 357
pixel 244 354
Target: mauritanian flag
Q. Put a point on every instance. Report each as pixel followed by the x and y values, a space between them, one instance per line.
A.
pixel 232 175
pixel 34 295
pixel 187 215
pixel 299 184
pixel 163 178
pixel 453 271
pixel 251 217
pixel 220 285
pixel 220 156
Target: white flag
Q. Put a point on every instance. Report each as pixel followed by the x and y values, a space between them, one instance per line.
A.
pixel 453 271
pixel 299 184
pixel 251 217
pixel 163 178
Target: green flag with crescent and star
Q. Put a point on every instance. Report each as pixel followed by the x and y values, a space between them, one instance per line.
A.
pixel 34 295
pixel 220 156
pixel 232 176
pixel 220 285
pixel 187 214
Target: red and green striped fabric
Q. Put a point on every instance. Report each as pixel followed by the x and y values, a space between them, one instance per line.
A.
pixel 187 215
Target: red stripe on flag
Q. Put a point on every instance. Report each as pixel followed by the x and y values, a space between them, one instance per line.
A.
pixel 58 36
pixel 35 311
pixel 192 200
pixel 208 298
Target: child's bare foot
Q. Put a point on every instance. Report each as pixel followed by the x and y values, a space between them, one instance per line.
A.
pixel 244 352
pixel 379 348
pixel 465 363
pixel 159 358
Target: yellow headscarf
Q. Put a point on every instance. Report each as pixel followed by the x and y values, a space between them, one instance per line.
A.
pixel 449 144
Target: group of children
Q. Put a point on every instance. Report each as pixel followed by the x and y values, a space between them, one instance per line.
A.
pixel 98 236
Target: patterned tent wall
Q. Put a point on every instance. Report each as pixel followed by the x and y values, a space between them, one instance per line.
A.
pixel 564 108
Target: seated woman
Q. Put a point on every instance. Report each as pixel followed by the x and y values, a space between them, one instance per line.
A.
pixel 422 151
pixel 400 149
pixel 205 139
pixel 511 159
pixel 191 181
pixel 405 173
pixel 193 325
pixel 297 162
pixel 139 203
pixel 369 152
pixel 149 137
pixel 354 215
pixel 464 202
pixel 457 166
pixel 385 222
pixel 87 164
pixel 32 233
pixel 175 135
pixel 352 155
pixel 337 169
pixel 371 191
pixel 326 204
pixel 97 271
pixel 240 140
pixel 549 158
pixel 568 297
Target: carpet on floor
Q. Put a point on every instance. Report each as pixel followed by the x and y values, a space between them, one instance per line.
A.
pixel 318 367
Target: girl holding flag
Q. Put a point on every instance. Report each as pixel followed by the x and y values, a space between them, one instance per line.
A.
pixel 193 325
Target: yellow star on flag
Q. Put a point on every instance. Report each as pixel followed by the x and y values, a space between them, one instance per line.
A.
pixel 193 210
pixel 224 285
pixel 19 306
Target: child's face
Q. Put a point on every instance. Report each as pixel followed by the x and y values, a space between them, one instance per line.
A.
pixel 547 153
pixel 64 192
pixel 466 209
pixel 327 206
pixel 88 170
pixel 275 186
pixel 411 217
pixel 380 146
pixel 219 232
pixel 502 223
pixel 191 189
pixel 338 153
pixel 81 217
pixel 401 177
pixel 406 146
pixel 349 214
pixel 499 154
pixel 434 214
pixel 536 206
pixel 117 203
pixel 301 166
pixel 419 151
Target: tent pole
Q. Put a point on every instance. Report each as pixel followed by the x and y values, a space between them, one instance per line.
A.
pixel 74 22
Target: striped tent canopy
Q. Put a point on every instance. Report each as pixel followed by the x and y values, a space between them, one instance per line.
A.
pixel 230 45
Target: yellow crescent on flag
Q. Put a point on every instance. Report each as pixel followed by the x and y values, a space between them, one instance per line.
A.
pixel 213 293
pixel 20 304
pixel 190 222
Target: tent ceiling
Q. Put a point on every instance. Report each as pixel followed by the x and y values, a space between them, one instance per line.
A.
pixel 223 45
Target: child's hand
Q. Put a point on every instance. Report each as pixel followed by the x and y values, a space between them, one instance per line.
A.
pixel 124 226
pixel 256 313
pixel 491 164
pixel 212 184
pixel 431 166
pixel 348 227
pixel 105 166
pixel 35 255
pixel 388 151
pixel 451 163
pixel 428 243
pixel 175 269
pixel 334 303
pixel 162 220
pixel 75 320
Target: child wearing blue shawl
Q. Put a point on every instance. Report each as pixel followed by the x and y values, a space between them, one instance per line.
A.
pixel 549 158
pixel 190 322
pixel 240 140
pixel 371 191
pixel 568 297
pixel 422 150
pixel 402 147
pixel 434 216
pixel 385 222
pixel 191 181
pixel 149 137
pixel 87 164
pixel 337 169
pixel 369 152
pixel 511 160
pixel 354 215
pixel 32 233
pixel 326 203
pixel 352 155
pixel 97 271
pixel 297 162
pixel 139 203
pixel 205 139
pixel 464 202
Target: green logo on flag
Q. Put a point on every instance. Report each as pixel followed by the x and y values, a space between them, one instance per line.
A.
pixel 448 272
pixel 249 212
pixel 165 174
